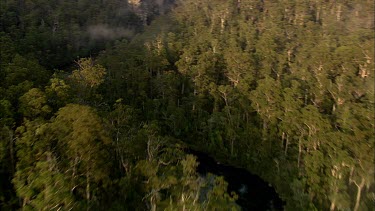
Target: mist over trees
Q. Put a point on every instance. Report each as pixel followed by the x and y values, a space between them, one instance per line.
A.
pixel 99 101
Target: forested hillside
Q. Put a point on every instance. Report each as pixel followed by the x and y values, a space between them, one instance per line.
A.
pixel 100 100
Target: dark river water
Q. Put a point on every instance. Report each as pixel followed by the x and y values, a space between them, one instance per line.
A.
pixel 253 192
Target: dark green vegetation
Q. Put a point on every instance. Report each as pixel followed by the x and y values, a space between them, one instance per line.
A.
pixel 282 88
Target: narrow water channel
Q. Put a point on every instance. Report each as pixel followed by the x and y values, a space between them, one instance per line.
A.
pixel 253 192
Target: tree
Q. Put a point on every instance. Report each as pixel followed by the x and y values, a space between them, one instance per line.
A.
pixel 22 69
pixel 7 153
pixel 82 142
pixel 34 104
pixel 265 100
pixel 58 92
pixel 62 160
pixel 87 78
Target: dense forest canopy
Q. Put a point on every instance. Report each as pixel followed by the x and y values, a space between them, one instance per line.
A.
pixel 99 101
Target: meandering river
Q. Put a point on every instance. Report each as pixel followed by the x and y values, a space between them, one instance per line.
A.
pixel 253 192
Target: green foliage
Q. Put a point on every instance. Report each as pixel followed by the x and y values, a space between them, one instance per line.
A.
pixel 80 131
pixel 88 75
pixel 172 186
pixel 33 104
pixel 282 88
pixel 62 161
pixel 58 92
pixel 22 69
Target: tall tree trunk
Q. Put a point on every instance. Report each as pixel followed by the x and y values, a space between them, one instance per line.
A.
pixel 231 146
pixel 76 159
pixel 153 202
pixel 359 190
pixel 333 205
pixel 183 88
pixel 286 145
pixel 264 131
pixel 11 148
pixel 88 188
pixel 299 152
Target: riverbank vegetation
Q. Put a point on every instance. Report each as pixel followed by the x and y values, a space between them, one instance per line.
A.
pixel 100 99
